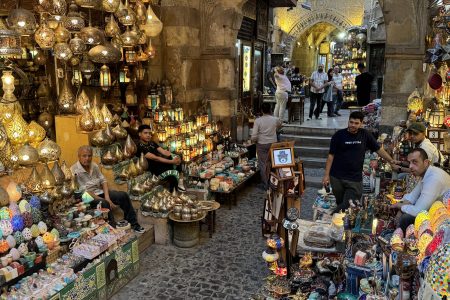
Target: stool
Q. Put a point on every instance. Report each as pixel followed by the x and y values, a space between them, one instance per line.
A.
pixel 211 207
pixel 354 108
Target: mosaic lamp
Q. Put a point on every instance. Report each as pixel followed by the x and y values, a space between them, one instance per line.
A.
pixel 22 21
pixel 17 223
pixel 14 191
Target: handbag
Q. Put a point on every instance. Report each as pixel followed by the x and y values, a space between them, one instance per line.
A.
pixel 328 95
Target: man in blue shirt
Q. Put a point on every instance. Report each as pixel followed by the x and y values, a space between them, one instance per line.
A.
pixel 345 160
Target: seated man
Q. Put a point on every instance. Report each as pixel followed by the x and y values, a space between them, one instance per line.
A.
pixel 92 181
pixel 160 162
pixel 434 182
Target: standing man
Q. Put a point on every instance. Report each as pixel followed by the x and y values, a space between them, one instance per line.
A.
pixel 318 82
pixel 160 161
pixel 281 95
pixel 92 181
pixel 345 160
pixel 363 85
pixel 337 90
pixel 434 182
pixel 264 133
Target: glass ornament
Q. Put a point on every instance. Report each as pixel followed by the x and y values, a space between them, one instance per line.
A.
pixel 34 231
pixel 48 180
pixel 49 150
pixel 27 218
pixel 152 26
pixel 4 247
pixel 86 121
pixel 58 173
pixel 4 213
pixel 6 227
pixel 35 202
pixel 36 215
pixel 110 5
pixel 87 67
pixel 33 183
pixel 14 191
pixel 129 39
pixel 104 54
pixel 17 223
pixel 45 37
pixel 73 21
pixel 23 249
pixel 112 28
pixel 36 133
pixel 4 197
pixel 14 209
pixel 62 35
pixel 15 254
pixel 126 16
pixel 62 51
pixel 46 120
pixel 17 130
pixel 92 36
pixel 66 171
pixel 24 206
pixel 27 155
pixel 22 21
pixel 11 241
pixel 97 114
pixel 48 237
pixel 82 102
pixel 18 236
pixel 10 42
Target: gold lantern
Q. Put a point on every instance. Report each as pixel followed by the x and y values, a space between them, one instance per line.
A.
pixel 112 28
pixel 66 99
pixel 22 21
pixel 105 78
pixel 126 15
pixel 140 72
pixel 130 96
pixel 124 74
pixel 62 35
pixel 44 36
pixel 36 133
pixel 14 191
pixel 58 174
pixel 97 114
pixel 47 177
pixel 162 135
pixel 110 5
pixel 33 183
pixel 17 130
pixel 435 117
pixel 130 56
pixel 152 26
pixel 27 155
pixel 86 121
pixel 8 86
pixel 77 77
pixel 82 102
pixel 107 116
pixel 48 150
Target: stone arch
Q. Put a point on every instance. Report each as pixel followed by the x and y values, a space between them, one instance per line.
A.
pixel 311 19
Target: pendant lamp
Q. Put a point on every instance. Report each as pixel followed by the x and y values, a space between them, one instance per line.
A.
pixel 105 78
pixel 82 102
pixel 152 26
pixel 73 21
pixel 77 45
pixel 87 67
pixel 112 28
pixel 107 116
pixel 47 177
pixel 126 15
pixel 44 36
pixel 22 21
pixel 66 99
pixel 86 121
pixel 110 5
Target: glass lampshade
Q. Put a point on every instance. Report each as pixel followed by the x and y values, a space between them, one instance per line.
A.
pixel 87 67
pixel 77 45
pixel 48 150
pixel 92 36
pixel 152 26
pixel 22 21
pixel 110 5
pixel 36 133
pixel 62 51
pixel 47 178
pixel 73 21
pixel 112 28
pixel 86 121
pixel 126 15
pixel 105 78
pixel 66 99
pixel 104 54
pixel 27 155
pixel 45 37
pixel 9 43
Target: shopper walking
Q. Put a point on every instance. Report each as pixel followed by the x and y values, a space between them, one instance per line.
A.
pixel 328 101
pixel 337 89
pixel 264 133
pixel 345 160
pixel 281 95
pixel 363 84
pixel 318 82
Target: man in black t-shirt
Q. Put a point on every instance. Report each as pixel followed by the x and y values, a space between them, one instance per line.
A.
pixel 363 84
pixel 160 162
pixel 345 160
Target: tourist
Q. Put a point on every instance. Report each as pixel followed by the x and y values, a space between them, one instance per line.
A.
pixel 344 165
pixel 337 90
pixel 264 133
pixel 296 80
pixel 160 161
pixel 329 101
pixel 91 180
pixel 281 95
pixel 318 82
pixel 434 182
pixel 363 84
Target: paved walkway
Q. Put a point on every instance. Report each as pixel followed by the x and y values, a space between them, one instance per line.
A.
pixel 228 266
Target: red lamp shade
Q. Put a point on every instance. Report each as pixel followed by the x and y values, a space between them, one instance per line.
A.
pixel 435 81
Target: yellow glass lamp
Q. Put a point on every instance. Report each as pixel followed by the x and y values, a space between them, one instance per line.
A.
pixel 420 218
pixel 186 154
pixel 162 135
pixel 14 191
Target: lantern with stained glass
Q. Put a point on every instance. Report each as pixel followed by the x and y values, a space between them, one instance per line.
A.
pixel 124 74
pixel 186 154
pixel 77 77
pixel 435 117
pixel 105 78
pixel 140 72
pixel 162 135
pixel 130 56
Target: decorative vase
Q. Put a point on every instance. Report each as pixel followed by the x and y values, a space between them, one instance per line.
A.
pixel 58 173
pixel 86 121
pixel 47 177
pixel 34 182
pixel 66 99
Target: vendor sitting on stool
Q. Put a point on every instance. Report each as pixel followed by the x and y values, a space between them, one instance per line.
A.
pixel 434 182
pixel 92 181
pixel 160 162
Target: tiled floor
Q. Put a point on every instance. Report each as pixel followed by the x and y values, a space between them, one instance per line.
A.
pixel 227 266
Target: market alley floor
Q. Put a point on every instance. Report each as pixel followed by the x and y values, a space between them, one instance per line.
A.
pixel 227 266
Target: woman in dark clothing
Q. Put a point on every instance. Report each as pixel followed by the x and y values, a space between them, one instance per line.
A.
pixel 330 105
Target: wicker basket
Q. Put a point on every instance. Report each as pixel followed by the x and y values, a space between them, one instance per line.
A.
pixel 52 255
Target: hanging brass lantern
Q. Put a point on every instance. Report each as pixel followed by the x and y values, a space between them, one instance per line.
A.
pixel 45 37
pixel 130 56
pixel 150 50
pixel 89 3
pixel 152 26
pixel 73 21
pixel 34 182
pixel 66 99
pixel 62 35
pixel 45 120
pixel 77 45
pixel 86 121
pixel 140 72
pixel 108 158
pixel 105 54
pixel 8 111
pixel 112 28
pixel 27 155
pixel 22 21
pixel 48 150
pixel 118 153
pixel 129 38
pixel 82 102
pixel 105 78
pixel 58 174
pixel 77 77
pixel 98 117
pixel 47 178
pixel 8 86
pixel 110 5
pixel 36 133
pixel 62 51
pixel 59 7
pixel 126 15
pixel 141 12
pixel 119 132
pixel 141 55
pixel 109 134
pixel 87 67
pixel 43 90
pixel 130 148
pixel 99 139
pixel 107 116
pixel 66 171
pixel 17 130
pixel 3 137
pixel 92 36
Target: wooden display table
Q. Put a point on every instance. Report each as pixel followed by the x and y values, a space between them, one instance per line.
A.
pixel 186 233
pixel 230 195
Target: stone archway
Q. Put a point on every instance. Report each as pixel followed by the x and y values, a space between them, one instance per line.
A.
pixel 310 20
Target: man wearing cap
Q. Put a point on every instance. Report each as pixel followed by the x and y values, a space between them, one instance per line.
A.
pixel 433 183
pixel 417 131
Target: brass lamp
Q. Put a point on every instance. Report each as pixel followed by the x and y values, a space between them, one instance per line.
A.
pixel 8 86
pixel 152 26
pixel 22 21
pixel 105 78
pixel 45 37
pixel 73 21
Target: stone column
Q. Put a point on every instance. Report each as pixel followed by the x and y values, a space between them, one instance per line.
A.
pixel 405 47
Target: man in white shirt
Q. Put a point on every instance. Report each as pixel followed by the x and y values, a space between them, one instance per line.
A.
pixel 337 90
pixel 434 183
pixel 318 82
pixel 281 95
pixel 264 133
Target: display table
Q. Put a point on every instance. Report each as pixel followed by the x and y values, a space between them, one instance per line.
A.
pixel 210 207
pixel 186 233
